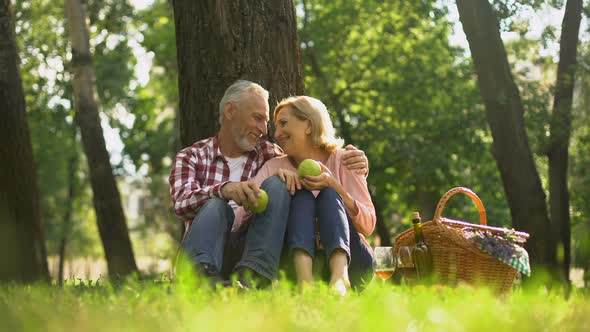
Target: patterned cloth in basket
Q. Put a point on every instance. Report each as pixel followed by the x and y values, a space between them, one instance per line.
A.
pixel 502 246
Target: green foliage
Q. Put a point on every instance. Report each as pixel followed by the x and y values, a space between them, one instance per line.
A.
pixel 535 76
pixel 158 305
pixel 55 144
pixel 152 140
pixel 580 165
pixel 42 34
pixel 153 136
pixel 398 90
pixel 394 85
pixel 113 58
pixel 508 10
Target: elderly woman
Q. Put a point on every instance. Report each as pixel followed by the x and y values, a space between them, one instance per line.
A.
pixel 333 210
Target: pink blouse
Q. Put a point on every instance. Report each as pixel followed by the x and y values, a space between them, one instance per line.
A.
pixel 354 184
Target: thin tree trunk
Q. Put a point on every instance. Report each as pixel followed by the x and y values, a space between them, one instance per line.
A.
pixel 504 111
pixel 219 42
pixel 380 225
pixel 67 221
pixel 107 202
pixel 426 201
pixel 22 248
pixel 561 129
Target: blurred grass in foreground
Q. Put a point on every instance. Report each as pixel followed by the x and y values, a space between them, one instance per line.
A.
pixel 182 306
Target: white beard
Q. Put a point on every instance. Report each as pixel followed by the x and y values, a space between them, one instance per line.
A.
pixel 243 142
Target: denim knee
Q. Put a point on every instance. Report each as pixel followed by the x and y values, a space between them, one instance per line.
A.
pixel 274 186
pixel 218 207
pixel 329 193
pixel 217 203
pixel 207 235
pixel 266 231
pixel 303 199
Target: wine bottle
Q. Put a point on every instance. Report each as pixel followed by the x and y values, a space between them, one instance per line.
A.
pixel 421 251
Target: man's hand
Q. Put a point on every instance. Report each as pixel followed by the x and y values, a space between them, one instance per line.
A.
pixel 241 192
pixel 290 178
pixel 355 160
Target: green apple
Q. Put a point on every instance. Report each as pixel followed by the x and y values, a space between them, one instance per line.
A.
pixel 262 203
pixel 309 167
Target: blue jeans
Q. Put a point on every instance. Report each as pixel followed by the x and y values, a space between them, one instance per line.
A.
pixel 336 232
pixel 258 247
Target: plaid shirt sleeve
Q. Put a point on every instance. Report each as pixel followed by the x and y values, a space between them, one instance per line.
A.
pixel 186 189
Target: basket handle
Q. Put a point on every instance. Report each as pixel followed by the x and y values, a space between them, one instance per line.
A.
pixel 443 201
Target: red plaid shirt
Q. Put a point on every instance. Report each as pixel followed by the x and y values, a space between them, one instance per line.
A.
pixel 200 170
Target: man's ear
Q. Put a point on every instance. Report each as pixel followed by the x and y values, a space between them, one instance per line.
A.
pixel 228 110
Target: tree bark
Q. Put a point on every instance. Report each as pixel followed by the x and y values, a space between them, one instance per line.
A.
pixel 504 111
pixel 107 202
pixel 426 201
pixel 380 225
pixel 22 247
pixel 67 221
pixel 561 129
pixel 219 42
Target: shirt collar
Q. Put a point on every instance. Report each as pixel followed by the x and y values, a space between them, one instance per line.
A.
pixel 216 150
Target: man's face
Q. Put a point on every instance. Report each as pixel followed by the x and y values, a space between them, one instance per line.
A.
pixel 249 121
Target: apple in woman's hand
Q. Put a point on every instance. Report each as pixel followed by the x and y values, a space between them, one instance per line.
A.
pixel 309 167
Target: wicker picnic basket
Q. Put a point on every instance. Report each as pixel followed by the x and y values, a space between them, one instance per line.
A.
pixel 455 258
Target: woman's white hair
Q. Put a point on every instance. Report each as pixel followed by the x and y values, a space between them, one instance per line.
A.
pixel 323 134
pixel 235 92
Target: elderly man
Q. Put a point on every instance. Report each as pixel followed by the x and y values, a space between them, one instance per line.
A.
pixel 209 180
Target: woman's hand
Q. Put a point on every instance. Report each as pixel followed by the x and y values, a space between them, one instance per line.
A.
pixel 290 178
pixel 319 182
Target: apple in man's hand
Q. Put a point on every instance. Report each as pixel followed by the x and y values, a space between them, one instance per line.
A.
pixel 262 203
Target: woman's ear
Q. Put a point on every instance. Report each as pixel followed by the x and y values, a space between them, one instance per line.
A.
pixel 308 127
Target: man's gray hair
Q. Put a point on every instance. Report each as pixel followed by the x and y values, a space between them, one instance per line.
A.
pixel 235 92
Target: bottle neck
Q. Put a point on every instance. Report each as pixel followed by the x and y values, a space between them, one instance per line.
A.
pixel 418 231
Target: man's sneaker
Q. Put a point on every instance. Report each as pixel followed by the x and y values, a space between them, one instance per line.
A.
pixel 210 272
pixel 248 279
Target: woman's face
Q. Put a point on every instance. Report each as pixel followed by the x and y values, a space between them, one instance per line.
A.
pixel 291 132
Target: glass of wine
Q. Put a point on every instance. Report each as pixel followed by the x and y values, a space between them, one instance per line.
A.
pixel 385 262
pixel 405 263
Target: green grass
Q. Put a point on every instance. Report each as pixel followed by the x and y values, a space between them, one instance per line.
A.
pixel 161 306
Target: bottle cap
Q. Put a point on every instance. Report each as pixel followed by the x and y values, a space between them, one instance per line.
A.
pixel 415 215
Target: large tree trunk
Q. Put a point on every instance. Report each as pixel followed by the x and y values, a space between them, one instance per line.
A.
pixel 561 129
pixel 504 111
pixel 219 42
pixel 22 248
pixel 107 201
